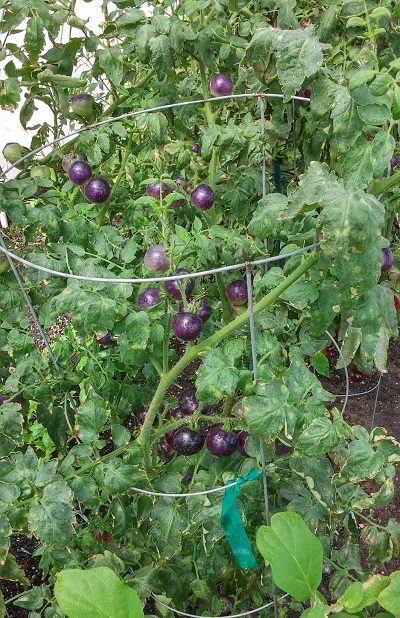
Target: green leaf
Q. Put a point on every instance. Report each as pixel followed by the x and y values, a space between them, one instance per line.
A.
pixel 110 59
pixel 265 415
pixel 137 330
pixel 383 146
pixel 265 221
pixel 33 598
pixel 169 520
pixel 294 553
pixel 353 596
pixel 10 428
pixel 363 462
pixel 51 519
pixel 34 36
pixel 91 419
pixel 160 52
pixel 11 571
pixel 389 598
pixel 357 165
pixel 5 532
pixel 217 377
pixel 396 103
pixel 374 114
pixel 347 124
pixel 80 594
pixel 320 437
pixel 381 84
pixel 352 222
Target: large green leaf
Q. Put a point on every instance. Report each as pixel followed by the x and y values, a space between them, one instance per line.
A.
pixel 217 376
pixel 51 519
pixel 265 415
pixel 91 419
pixel 10 428
pixel 169 520
pixel 5 532
pixel 97 592
pixel 294 553
pixel 389 598
pixel 352 221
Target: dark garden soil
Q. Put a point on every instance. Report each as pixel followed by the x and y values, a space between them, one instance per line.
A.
pixel 362 409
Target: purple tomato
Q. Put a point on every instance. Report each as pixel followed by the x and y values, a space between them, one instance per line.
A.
pixel 155 259
pixel 97 190
pixel 106 340
pixel 202 197
pixel 153 189
pixel 221 85
pixel 221 443
pixel 82 104
pixel 187 326
pixel 387 260
pixel 236 292
pixel 172 288
pixel 148 298
pixel 187 401
pixel 187 441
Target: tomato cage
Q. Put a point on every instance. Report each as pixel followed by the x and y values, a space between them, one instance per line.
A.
pixel 247 267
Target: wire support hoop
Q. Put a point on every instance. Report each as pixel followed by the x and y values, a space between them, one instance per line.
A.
pixel 202 273
pixel 158 108
pixel 248 612
pixel 214 490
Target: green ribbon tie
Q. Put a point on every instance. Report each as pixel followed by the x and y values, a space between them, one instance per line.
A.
pixel 233 525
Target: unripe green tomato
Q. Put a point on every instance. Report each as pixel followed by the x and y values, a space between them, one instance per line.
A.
pixel 26 490
pixel 40 171
pixel 12 152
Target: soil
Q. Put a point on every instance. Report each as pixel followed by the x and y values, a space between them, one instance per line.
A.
pixel 379 407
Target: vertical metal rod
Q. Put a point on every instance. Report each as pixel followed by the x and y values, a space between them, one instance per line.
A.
pixel 264 164
pixel 255 377
pixel 295 177
pixel 378 388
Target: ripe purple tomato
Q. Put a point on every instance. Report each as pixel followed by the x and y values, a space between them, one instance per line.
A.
pixel 236 292
pixel 221 443
pixel 221 85
pixel 97 190
pixel 196 129
pixel 155 259
pixel 141 415
pixel 187 441
pixel 79 172
pixel 394 161
pixel 153 189
pixel 195 148
pixel 164 452
pixel 203 310
pixel 172 288
pixel 241 442
pixel 148 298
pixel 187 326
pixel 387 260
pixel 106 340
pixel 187 401
pixel 225 602
pixel 202 197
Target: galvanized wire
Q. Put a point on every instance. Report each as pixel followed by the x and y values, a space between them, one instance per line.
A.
pixel 247 612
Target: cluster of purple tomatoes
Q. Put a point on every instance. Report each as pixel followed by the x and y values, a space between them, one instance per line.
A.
pixel 188 322
pixel 186 441
pixel 95 188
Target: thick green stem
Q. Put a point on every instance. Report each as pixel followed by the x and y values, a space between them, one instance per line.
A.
pixel 206 94
pixel 166 343
pixel 380 186
pixel 204 346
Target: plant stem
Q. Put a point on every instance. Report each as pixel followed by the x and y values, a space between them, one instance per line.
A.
pixel 208 344
pixel 226 314
pixel 166 342
pixel 204 84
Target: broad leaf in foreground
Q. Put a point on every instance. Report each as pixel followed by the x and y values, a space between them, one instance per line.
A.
pixel 294 553
pixel 98 593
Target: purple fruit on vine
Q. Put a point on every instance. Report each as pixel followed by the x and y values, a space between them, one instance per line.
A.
pixel 202 197
pixel 225 602
pixel 203 309
pixel 141 415
pixel 155 259
pixel 177 414
pixel 177 201
pixel 187 441
pixel 187 401
pixel 172 288
pixel 106 340
pixel 196 129
pixel 221 85
pixel 83 105
pixel 79 172
pixel 148 298
pixel 153 189
pixel 97 190
pixel 164 452
pixel 221 443
pixel 195 148
pixel 169 438
pixel 242 437
pixel 187 477
pixel 182 182
pixel 3 399
pixel 394 161
pixel 387 260
pixel 187 326
pixel 236 292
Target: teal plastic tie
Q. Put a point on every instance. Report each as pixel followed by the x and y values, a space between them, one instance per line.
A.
pixel 233 525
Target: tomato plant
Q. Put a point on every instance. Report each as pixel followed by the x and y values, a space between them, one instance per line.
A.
pixel 158 382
